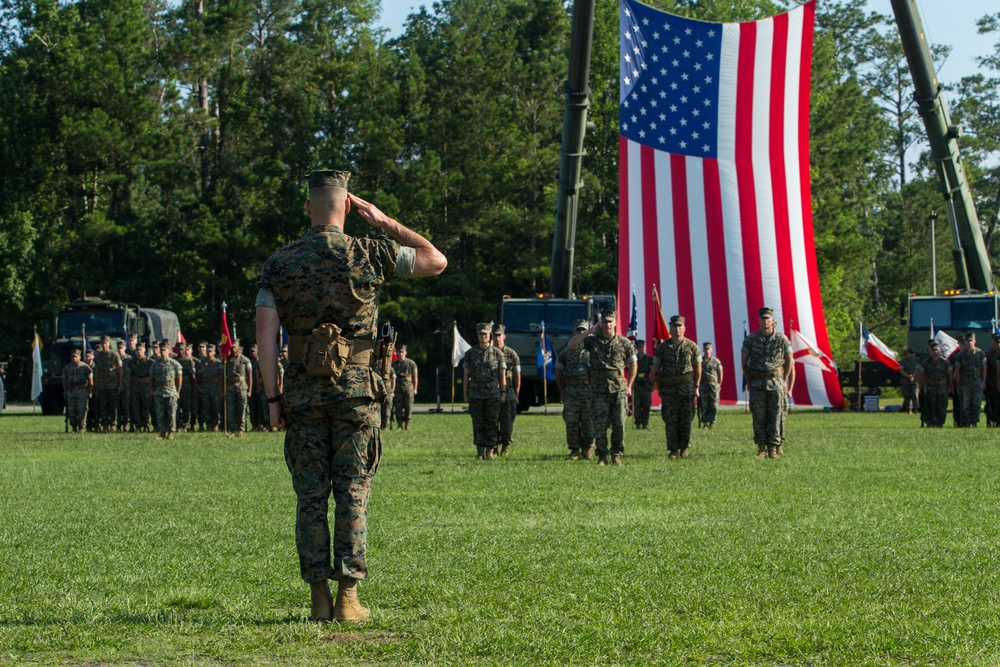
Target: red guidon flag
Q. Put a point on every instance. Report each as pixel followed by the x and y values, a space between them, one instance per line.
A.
pixel 714 190
pixel 874 349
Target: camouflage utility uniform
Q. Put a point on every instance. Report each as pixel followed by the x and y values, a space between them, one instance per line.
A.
pixel 165 375
pixel 508 409
pixel 969 365
pixel 934 401
pixel 642 391
pixel 187 405
pixel 676 361
pixel 124 396
pixel 333 443
pixel 708 390
pixel 608 358
pixel 402 400
pixel 77 380
pixel 107 381
pixel 992 388
pixel 484 365
pixel 210 386
pixel 574 372
pixel 766 383
pixel 141 386
pixel 908 387
pixel 237 367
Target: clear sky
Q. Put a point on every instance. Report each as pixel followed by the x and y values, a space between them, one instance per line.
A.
pixel 951 22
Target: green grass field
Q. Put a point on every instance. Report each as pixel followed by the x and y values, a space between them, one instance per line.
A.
pixel 872 542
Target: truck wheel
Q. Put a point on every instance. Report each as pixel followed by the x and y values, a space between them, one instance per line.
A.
pixel 51 402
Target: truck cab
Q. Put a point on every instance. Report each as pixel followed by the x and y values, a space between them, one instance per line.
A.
pixel 523 320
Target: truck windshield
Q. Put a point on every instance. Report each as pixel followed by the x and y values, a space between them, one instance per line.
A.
pixel 98 323
pixel 527 316
pixel 953 313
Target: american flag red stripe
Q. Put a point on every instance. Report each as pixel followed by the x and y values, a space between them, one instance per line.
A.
pixel 714 184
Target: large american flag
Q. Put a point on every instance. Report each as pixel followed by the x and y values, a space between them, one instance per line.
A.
pixel 714 180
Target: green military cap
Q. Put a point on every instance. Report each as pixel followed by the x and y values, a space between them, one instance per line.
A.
pixel 765 312
pixel 640 341
pixel 609 315
pixel 933 343
pixel 327 178
pixel 483 327
pixel 401 348
pixel 284 348
pixel 203 343
pixel 121 343
pixel 579 324
pixel 105 339
pixel 253 348
pixel 210 348
pixel 165 343
pixel 140 344
pixel 236 342
pixel 676 320
pixel 75 353
pixel 707 344
pixel 498 329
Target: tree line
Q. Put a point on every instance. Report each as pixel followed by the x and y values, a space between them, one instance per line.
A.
pixel 156 152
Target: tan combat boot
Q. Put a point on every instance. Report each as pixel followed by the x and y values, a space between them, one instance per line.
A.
pixel 506 450
pixel 616 459
pixel 322 601
pixel 673 454
pixel 574 455
pixel 761 452
pixel 684 453
pixel 491 453
pixel 779 451
pixel 772 452
pixel 170 435
pixel 480 453
pixel 602 460
pixel 347 608
pixel 587 454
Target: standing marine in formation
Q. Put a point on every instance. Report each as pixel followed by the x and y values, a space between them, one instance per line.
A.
pixel 770 373
pixel 993 383
pixel 708 390
pixel 210 385
pixel 109 381
pixel 78 385
pixel 908 381
pixel 676 377
pixel 239 387
pixel 970 374
pixel 187 403
pixel 484 383
pixel 573 380
pixel 124 411
pixel 642 388
pixel 611 355
pixel 934 378
pixel 404 388
pixel 508 409
pixel 140 371
pixel 167 381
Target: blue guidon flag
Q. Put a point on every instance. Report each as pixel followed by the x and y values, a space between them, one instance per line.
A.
pixel 715 203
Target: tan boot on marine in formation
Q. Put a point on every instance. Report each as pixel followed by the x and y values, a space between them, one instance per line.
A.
pixel 322 601
pixel 588 454
pixel 761 452
pixel 574 455
pixel 347 608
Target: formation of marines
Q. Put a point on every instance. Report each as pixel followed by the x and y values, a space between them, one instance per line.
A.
pixel 116 391
pixel 968 374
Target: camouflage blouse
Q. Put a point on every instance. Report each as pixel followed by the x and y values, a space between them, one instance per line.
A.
pixel 165 374
pixel 106 365
pixel 969 365
pixel 766 356
pixel 484 366
pixel 608 358
pixel 236 369
pixel 711 369
pixel 676 359
pixel 405 371
pixel 644 366
pixel 574 368
pixel 330 276
pixel 77 376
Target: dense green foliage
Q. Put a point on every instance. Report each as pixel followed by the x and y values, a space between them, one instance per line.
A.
pixel 872 542
pixel 155 152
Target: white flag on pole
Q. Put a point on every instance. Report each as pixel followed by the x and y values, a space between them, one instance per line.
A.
pixel 36 368
pixel 458 348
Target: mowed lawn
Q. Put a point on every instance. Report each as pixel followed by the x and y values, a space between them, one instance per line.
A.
pixel 872 542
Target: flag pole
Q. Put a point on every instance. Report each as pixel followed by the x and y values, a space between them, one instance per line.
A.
pixel 860 343
pixel 225 371
pixel 545 374
pixel 454 348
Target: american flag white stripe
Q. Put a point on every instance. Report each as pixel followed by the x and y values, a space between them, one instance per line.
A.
pixel 715 191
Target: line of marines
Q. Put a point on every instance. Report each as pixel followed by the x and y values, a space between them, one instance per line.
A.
pixel 403 383
pixel 968 375
pixel 491 384
pixel 116 391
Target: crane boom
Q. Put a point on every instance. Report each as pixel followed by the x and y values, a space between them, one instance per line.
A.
pixel 972 264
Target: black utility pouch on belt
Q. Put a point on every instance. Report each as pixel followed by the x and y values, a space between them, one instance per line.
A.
pixel 326 352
